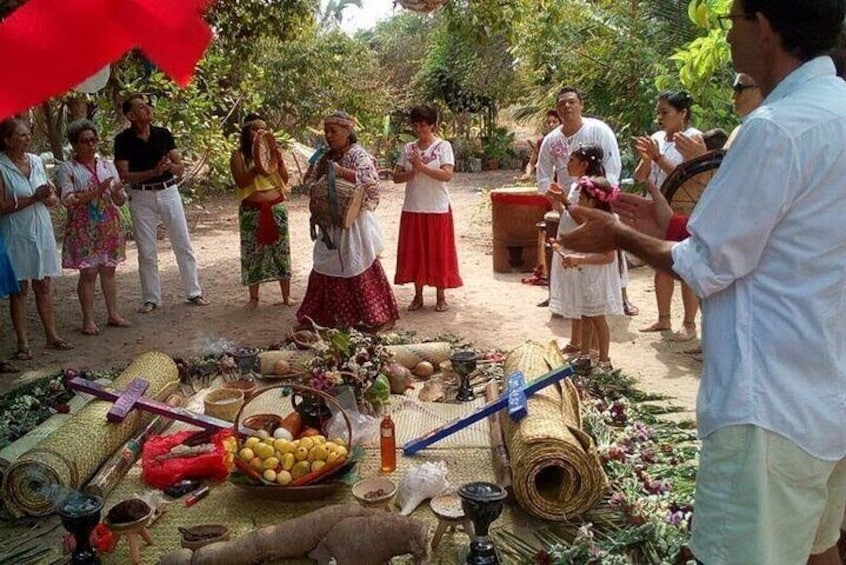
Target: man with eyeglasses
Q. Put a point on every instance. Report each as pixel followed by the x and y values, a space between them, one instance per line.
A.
pixel 146 157
pixel 767 255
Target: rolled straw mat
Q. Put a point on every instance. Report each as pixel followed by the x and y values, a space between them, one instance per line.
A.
pixel 68 457
pixel 410 354
pixel 556 470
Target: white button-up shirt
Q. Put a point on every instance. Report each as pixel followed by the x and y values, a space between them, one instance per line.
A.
pixel 767 254
pixel 556 147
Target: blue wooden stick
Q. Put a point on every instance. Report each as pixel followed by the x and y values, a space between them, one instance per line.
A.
pixel 458 424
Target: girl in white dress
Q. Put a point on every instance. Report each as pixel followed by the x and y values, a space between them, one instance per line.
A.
pixel 590 287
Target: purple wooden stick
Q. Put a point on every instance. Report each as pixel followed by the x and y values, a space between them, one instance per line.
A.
pixel 127 400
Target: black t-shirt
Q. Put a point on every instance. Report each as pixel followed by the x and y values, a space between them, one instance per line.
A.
pixel 144 155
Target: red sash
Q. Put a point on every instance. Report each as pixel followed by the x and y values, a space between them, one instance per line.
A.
pixel 268 230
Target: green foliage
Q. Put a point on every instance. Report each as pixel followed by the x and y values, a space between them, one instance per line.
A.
pixel 497 144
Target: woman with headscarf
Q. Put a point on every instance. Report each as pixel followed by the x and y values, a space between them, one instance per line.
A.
pixel 262 217
pixel 27 231
pixel 347 286
pixel 94 241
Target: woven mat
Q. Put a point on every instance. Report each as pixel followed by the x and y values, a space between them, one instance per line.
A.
pixel 241 511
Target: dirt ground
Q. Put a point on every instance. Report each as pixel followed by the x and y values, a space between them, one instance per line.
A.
pixel 491 310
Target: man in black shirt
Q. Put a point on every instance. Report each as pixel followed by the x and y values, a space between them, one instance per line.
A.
pixel 146 157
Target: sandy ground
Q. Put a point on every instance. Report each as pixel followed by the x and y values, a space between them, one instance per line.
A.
pixel 491 310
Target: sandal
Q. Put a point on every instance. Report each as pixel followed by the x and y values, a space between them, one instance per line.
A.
pixel 543 303
pixel 23 355
pixel 90 330
pixel 686 333
pixel 6 367
pixel 630 309
pixel 441 306
pixel 60 345
pixel 198 301
pixel 415 305
pixel 147 307
pixel 571 349
pixel 662 325
pixel 604 367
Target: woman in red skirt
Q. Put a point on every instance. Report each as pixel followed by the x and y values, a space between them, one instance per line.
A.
pixel 426 251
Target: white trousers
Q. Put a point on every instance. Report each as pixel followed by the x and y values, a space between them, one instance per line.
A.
pixel 147 208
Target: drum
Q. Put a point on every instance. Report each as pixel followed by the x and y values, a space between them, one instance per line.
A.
pixel 515 212
pixel 266 153
pixel 334 202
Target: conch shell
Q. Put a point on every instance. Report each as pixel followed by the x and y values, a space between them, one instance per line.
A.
pixel 419 483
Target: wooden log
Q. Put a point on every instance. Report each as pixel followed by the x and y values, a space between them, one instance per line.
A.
pixel 499 453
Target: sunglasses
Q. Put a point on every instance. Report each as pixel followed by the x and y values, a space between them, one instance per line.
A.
pixel 738 88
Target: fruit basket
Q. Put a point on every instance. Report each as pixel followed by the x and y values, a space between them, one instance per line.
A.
pixel 295 461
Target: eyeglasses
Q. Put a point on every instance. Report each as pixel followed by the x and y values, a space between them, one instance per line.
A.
pixel 725 22
pixel 738 88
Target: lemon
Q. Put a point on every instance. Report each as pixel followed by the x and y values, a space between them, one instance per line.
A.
pixel 269 475
pixel 284 478
pixel 246 454
pixel 257 464
pixel 307 442
pixel 301 468
pixel 301 453
pixel 317 465
pixel 288 461
pixel 251 441
pixel 271 463
pixel 318 453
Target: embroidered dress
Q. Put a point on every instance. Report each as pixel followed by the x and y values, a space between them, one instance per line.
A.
pixel 426 252
pixel 28 233
pixel 347 285
pixel 94 232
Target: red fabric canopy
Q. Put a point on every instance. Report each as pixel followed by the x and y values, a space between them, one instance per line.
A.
pixel 50 46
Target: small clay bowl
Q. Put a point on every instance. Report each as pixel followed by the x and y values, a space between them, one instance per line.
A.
pixel 224 403
pixel 375 492
pixel 136 507
pixel 197 536
pixel 266 422
pixel 249 388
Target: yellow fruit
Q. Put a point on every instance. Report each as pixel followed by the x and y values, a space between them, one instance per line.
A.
pixel 318 453
pixel 288 461
pixel 307 442
pixel 339 441
pixel 269 441
pixel 262 434
pixel 282 445
pixel 246 454
pixel 316 465
pixel 271 463
pixel 330 446
pixel 251 441
pixel 301 468
pixel 318 439
pixel 256 463
pixel 269 475
pixel 341 451
pixel 263 450
pixel 301 453
pixel 334 457
pixel 284 478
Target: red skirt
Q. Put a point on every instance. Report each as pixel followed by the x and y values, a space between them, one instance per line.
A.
pixel 363 300
pixel 426 251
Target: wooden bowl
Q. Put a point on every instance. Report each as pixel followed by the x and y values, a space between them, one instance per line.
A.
pixel 266 422
pixel 197 536
pixel 375 491
pixel 224 403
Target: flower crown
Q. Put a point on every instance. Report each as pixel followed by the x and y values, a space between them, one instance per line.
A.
pixel 587 185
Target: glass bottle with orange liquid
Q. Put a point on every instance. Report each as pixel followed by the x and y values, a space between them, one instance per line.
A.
pixel 388 444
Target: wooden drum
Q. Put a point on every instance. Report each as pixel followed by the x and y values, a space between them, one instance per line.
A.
pixel 547 229
pixel 515 212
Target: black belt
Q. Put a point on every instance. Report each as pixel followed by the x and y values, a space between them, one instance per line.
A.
pixel 154 185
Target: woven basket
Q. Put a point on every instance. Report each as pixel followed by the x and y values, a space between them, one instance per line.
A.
pixel 69 456
pixel 309 490
pixel 556 469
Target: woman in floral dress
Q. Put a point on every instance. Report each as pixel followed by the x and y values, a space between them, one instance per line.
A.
pixel 94 236
pixel 347 286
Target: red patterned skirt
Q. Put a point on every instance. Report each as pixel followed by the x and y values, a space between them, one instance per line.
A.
pixel 363 300
pixel 426 251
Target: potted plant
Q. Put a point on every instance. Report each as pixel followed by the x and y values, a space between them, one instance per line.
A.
pixel 496 147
